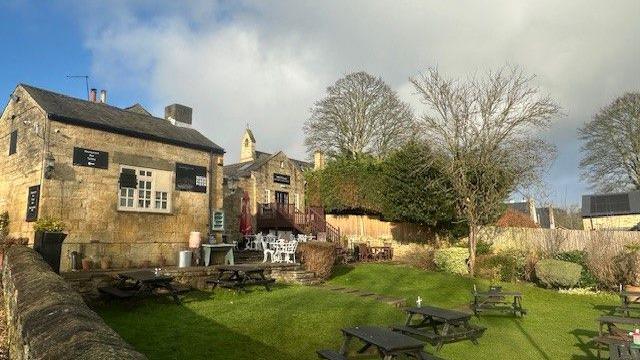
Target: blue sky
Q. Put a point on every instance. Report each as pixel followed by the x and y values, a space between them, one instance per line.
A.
pixel 265 63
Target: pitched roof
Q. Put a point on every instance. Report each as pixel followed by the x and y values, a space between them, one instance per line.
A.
pixel 245 168
pixel 109 118
pixel 137 108
pixel 253 139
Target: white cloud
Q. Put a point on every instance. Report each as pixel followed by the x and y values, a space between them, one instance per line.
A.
pixel 265 63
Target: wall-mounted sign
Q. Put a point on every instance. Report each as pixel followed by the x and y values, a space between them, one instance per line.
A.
pixel 90 158
pixel 33 201
pixel 191 178
pixel 282 179
pixel 218 221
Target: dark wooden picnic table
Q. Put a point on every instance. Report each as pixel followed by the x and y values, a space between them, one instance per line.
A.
pixel 239 277
pixel 440 326
pixel 497 300
pixel 624 352
pixel 388 344
pixel 141 283
pixel 609 333
pixel 630 300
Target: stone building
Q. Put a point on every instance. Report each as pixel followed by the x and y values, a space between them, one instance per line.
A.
pixel 273 182
pixel 619 211
pixel 129 187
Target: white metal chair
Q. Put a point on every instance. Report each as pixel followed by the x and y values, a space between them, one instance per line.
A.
pixel 279 248
pixel 267 250
pixel 289 251
pixel 302 238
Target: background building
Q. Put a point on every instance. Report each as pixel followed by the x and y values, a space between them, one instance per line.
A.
pixel 130 187
pixel 274 184
pixel 620 211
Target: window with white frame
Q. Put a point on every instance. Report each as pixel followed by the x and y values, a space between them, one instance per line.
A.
pixel 145 190
pixel 297 200
pixel 267 196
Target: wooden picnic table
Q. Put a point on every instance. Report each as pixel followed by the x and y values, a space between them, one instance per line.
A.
pixel 624 352
pixel 440 326
pixel 614 335
pixel 141 283
pixel 388 344
pixel 381 252
pixel 497 300
pixel 239 277
pixel 629 301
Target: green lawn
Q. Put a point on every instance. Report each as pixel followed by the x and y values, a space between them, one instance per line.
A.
pixel 291 322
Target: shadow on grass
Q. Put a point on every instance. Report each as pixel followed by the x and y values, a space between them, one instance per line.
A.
pixel 608 309
pixel 583 338
pixel 341 270
pixel 162 330
pixel 533 343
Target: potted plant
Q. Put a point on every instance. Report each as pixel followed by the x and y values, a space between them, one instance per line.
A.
pixel 48 240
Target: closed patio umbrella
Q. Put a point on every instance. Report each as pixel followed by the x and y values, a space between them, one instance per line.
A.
pixel 246 227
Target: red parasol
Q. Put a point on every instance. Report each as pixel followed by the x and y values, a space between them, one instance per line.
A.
pixel 245 216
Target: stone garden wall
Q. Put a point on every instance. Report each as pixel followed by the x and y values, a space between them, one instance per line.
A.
pixel 47 319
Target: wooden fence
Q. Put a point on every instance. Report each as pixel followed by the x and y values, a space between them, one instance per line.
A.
pixel 366 226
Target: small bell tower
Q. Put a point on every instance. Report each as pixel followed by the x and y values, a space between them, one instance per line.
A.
pixel 248 146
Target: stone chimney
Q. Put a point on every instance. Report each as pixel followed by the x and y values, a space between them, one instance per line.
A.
pixel 178 115
pixel 248 146
pixel 552 220
pixel 532 210
pixel 103 96
pixel 318 160
pixel 93 94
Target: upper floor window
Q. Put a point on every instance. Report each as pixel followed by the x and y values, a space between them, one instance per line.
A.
pixel 13 142
pixel 145 190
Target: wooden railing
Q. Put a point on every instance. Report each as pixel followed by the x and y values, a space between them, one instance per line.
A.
pixel 312 221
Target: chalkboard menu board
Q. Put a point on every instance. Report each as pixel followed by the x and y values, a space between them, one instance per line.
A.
pixel 191 178
pixel 281 179
pixel 90 158
pixel 33 200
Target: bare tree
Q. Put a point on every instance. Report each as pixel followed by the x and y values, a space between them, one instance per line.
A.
pixel 487 129
pixel 359 115
pixel 611 146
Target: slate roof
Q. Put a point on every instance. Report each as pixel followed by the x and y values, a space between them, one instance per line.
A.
pixel 137 108
pixel 109 118
pixel 245 168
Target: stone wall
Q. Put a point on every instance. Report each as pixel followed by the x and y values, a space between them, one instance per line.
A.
pixel 24 168
pixel 47 319
pixel 615 222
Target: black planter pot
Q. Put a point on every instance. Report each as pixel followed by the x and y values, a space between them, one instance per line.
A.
pixel 49 245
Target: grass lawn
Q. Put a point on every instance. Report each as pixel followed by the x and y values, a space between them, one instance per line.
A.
pixel 291 322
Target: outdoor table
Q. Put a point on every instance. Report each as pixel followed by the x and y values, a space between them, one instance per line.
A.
pixel 389 344
pixel 381 252
pixel 226 248
pixel 238 277
pixel 629 301
pixel 145 282
pixel 440 326
pixel 613 334
pixel 496 299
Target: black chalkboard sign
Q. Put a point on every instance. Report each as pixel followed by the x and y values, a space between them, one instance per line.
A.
pixel 281 179
pixel 33 200
pixel 90 158
pixel 191 178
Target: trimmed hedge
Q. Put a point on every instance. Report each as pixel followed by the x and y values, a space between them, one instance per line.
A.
pixel 558 273
pixel 452 260
pixel 318 257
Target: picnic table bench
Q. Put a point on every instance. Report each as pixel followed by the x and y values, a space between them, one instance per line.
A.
pixel 624 352
pixel 440 326
pixel 388 344
pixel 141 283
pixel 629 300
pixel 495 299
pixel 239 277
pixel 609 333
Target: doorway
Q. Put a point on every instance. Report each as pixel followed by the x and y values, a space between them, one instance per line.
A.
pixel 282 198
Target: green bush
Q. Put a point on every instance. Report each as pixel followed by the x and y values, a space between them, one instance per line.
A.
pixel 452 260
pixel 483 248
pixel 558 273
pixel 587 279
pixel 48 225
pixel 506 266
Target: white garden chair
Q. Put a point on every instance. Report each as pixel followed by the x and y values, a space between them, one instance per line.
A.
pixel 289 251
pixel 302 238
pixel 279 248
pixel 267 249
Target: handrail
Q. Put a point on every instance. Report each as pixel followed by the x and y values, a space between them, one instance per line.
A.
pixel 313 220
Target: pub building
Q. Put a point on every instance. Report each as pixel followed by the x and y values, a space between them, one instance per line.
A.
pixel 273 187
pixel 129 187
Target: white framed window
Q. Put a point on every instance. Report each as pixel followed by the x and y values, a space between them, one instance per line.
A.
pixel 296 198
pixel 267 196
pixel 152 191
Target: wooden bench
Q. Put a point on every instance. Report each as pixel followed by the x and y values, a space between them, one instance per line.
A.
pixel 230 284
pixel 472 332
pixel 115 292
pixel 330 355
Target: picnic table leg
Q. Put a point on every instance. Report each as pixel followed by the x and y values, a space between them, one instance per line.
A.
pixel 443 334
pixel 220 273
pixel 344 348
pixel 408 322
pixel 173 292
pixel 264 278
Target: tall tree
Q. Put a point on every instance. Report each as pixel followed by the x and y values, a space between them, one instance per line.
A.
pixel 487 131
pixel 611 146
pixel 360 114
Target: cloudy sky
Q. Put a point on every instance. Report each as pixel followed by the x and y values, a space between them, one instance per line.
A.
pixel 265 63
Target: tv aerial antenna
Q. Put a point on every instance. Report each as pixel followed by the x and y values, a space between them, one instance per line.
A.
pixel 86 81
